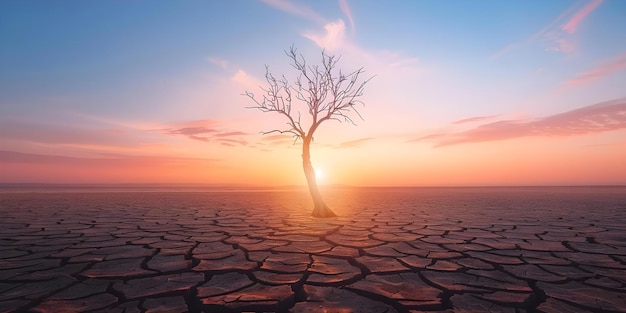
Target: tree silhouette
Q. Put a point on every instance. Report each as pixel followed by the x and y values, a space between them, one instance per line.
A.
pixel 328 95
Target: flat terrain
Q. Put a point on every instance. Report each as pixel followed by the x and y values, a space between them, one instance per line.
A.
pixel 447 250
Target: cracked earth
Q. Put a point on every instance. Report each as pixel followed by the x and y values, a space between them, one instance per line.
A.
pixel 234 252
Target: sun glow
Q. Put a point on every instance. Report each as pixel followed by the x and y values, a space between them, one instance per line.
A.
pixel 319 175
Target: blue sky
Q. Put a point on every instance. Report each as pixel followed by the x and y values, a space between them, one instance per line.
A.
pixel 94 67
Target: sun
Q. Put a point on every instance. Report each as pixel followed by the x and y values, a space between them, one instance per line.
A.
pixel 319 174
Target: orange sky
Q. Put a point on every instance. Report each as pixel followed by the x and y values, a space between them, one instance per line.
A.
pixel 375 162
pixel 465 95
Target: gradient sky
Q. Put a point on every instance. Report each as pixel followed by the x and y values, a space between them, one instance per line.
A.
pixel 464 93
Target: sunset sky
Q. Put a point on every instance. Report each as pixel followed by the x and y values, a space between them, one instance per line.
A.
pixel 464 93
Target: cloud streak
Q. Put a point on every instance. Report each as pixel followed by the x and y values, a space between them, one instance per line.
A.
pixel 617 64
pixel 277 140
pixel 204 131
pixel 558 36
pixel 230 134
pixel 578 17
pixel 222 63
pixel 231 142
pixel 334 32
pixel 343 4
pixel 354 143
pixel 332 39
pixel 601 117
pixel 295 9
pixel 190 131
pixel 561 39
pixel 474 119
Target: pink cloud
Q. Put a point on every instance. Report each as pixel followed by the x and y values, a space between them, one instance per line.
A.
pixel 276 137
pixel 579 16
pixel 354 143
pixel 333 38
pixel 229 134
pixel 343 4
pixel 247 81
pixel 230 142
pixel 334 32
pixel 199 138
pixel 617 64
pixel 561 39
pixel 601 117
pixel 202 130
pixel 473 119
pixel 295 9
pixel 559 34
pixel 277 140
pixel 190 131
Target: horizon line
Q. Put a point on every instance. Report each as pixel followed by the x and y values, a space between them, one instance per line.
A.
pixel 248 186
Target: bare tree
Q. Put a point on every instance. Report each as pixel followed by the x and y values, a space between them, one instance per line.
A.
pixel 327 93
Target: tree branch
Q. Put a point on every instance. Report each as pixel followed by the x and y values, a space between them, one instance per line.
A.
pixel 328 94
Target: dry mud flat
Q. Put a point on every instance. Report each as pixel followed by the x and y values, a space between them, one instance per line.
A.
pixel 233 252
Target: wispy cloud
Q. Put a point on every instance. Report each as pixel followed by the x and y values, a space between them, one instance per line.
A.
pixel 277 137
pixel 333 35
pixel 343 4
pixel 601 117
pixel 203 130
pixel 277 140
pixel 230 134
pixel 231 142
pixel 219 62
pixel 247 81
pixel 560 38
pixel 578 17
pixel 557 36
pixel 353 143
pixel 615 65
pixel 190 131
pixel 199 138
pixel 296 9
pixel 332 38
pixel 474 119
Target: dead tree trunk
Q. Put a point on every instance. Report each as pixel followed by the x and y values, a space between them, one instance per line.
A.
pixel 320 209
pixel 327 94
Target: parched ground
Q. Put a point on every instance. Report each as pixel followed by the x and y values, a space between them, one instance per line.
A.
pixel 233 252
